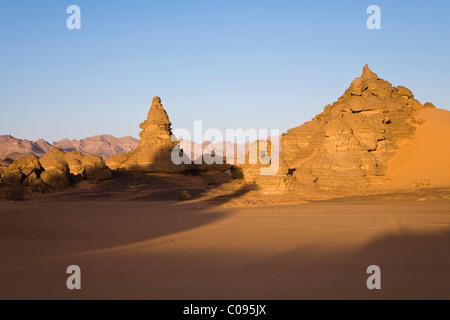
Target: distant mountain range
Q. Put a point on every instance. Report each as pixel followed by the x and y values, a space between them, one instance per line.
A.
pixel 224 149
pixel 104 145
pixel 12 148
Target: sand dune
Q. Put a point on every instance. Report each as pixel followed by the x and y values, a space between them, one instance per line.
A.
pixel 428 157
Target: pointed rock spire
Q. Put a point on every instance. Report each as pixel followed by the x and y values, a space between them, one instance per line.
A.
pixel 368 74
pixel 157 116
pixel 154 152
pixel 367 86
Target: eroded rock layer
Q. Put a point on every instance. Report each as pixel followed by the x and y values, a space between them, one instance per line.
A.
pixel 55 170
pixel 153 154
pixel 349 144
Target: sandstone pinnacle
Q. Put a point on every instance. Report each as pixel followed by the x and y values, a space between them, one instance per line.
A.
pixel 157 116
pixel 153 154
pixel 368 74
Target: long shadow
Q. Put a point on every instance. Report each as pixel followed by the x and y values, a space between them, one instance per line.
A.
pixel 153 187
pixel 127 209
pixel 413 266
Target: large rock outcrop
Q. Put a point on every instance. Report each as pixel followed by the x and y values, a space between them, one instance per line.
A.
pixel 264 167
pixel 62 169
pixel 55 170
pixel 57 173
pixel 349 144
pixel 153 154
pixel 25 170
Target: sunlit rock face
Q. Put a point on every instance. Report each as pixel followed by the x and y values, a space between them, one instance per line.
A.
pixel 153 154
pixel 349 144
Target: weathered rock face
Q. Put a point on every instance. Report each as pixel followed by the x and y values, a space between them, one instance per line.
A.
pixel 264 155
pixel 4 164
pixel 26 166
pixel 257 157
pixel 56 170
pixel 57 173
pixel 11 177
pixel 153 154
pixel 20 170
pixel 61 169
pixel 349 144
pixel 87 167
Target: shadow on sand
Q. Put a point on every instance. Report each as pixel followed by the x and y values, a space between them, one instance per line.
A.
pixel 413 266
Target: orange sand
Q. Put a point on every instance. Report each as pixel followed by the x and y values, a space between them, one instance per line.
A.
pixel 428 157
pixel 173 250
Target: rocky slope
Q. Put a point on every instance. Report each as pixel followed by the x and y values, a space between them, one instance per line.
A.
pixel 348 146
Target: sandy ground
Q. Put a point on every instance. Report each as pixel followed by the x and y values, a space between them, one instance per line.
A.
pixel 140 249
pixel 427 159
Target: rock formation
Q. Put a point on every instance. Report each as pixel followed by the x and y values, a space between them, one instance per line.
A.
pixel 55 170
pixel 264 155
pixel 57 173
pixel 153 154
pixel 348 145
pixel 61 169
pixel 21 169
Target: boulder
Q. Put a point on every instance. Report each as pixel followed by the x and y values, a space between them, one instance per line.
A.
pixel 57 173
pixel 88 167
pixel 27 165
pixel 32 179
pixel 5 163
pixel 56 179
pixel 56 169
pixel 11 177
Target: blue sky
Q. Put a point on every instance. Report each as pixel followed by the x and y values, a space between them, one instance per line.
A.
pixel 232 64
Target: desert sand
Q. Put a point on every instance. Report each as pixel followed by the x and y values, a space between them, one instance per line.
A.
pixel 427 158
pixel 142 249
